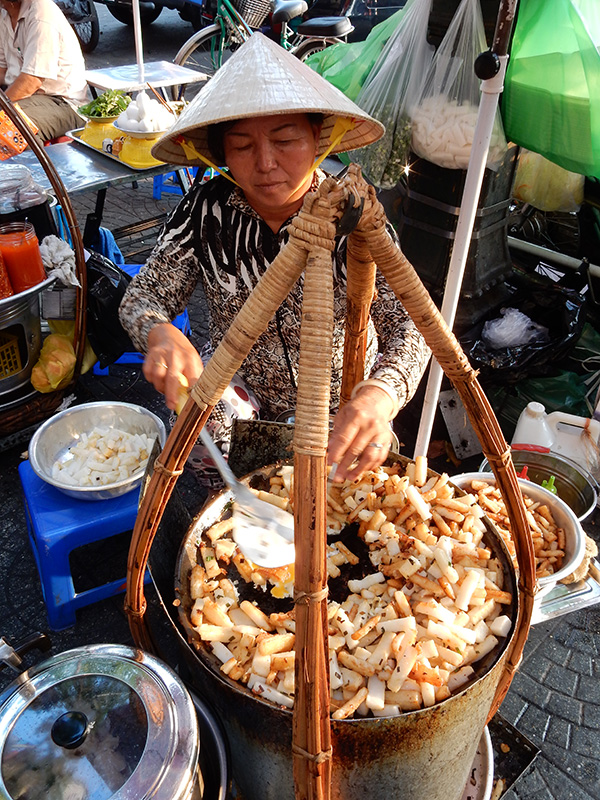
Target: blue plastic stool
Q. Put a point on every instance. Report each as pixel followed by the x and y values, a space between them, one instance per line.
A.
pixel 182 322
pixel 168 183
pixel 58 524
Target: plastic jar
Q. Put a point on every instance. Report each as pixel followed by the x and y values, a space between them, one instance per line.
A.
pixel 20 251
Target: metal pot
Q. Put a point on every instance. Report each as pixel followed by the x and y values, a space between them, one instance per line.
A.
pixel 574 484
pixel 427 753
pixel 20 323
pixel 98 722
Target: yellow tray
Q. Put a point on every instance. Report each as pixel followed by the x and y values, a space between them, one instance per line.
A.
pixel 76 136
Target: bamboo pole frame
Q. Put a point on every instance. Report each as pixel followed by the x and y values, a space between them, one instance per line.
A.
pixel 311 242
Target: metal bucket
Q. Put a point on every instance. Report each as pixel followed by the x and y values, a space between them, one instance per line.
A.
pixel 574 484
pixel 426 753
pixel 20 322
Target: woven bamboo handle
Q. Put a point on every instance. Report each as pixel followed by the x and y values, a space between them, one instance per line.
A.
pixel 252 319
pixel 408 288
pixel 311 732
pixel 62 196
pixel 361 272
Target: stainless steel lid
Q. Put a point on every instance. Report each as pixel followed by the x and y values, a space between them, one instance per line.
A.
pixel 97 722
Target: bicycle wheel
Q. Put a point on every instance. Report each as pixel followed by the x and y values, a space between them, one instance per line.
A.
pixel 205 52
pixel 88 30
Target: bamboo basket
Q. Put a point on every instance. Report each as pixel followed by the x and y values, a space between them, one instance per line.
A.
pixel 41 406
pixel 309 249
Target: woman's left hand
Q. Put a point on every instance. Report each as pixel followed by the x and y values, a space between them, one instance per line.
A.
pixel 361 435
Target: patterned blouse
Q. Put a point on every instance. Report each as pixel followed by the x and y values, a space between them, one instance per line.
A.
pixel 215 237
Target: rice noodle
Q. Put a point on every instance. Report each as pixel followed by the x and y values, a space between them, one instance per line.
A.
pixel 104 456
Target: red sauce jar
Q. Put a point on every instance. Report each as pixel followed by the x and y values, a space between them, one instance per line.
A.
pixel 6 289
pixel 20 250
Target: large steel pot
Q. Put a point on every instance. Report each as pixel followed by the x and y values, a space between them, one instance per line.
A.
pixel 107 722
pixel 420 754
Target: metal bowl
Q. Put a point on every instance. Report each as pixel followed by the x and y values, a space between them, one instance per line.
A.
pixel 52 440
pixel 574 484
pixel 563 515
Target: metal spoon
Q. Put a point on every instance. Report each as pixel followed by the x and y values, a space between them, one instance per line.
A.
pixel 263 532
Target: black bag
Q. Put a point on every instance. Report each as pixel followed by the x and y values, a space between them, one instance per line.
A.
pixel 106 284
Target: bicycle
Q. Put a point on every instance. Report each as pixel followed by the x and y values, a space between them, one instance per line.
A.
pixel 83 18
pixel 210 47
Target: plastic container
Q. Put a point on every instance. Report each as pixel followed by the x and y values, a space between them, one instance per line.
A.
pixel 20 251
pixel 567 435
pixel 21 198
pixel 533 428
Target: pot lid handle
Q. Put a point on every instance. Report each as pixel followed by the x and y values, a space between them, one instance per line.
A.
pixel 70 730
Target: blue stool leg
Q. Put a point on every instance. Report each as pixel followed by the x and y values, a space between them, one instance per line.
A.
pixel 157 187
pixel 57 584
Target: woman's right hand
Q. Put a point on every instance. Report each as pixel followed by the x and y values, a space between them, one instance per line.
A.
pixel 170 356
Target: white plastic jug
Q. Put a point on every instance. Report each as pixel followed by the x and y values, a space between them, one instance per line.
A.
pixel 568 435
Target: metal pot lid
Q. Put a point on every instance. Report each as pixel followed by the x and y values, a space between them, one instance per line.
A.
pixel 97 722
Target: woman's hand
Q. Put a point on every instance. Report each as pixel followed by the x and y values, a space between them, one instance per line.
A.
pixel 361 435
pixel 170 356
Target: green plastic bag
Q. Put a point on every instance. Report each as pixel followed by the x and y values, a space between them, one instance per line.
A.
pixel 551 98
pixel 346 66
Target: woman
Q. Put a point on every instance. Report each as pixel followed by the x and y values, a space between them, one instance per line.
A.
pixel 267 117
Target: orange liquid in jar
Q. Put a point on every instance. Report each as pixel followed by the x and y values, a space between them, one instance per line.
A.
pixel 20 250
pixel 6 289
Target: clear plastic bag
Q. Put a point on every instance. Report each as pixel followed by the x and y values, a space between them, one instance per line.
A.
pixel 347 65
pixel 391 87
pixel 545 185
pixel 18 190
pixel 444 118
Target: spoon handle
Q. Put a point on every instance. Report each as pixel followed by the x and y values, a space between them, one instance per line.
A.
pixel 220 463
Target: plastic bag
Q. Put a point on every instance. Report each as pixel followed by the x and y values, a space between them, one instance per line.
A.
pixel 106 284
pixel 392 86
pixel 511 329
pixel 545 185
pixel 346 66
pixel 560 310
pixel 55 367
pixel 445 116
pixel 551 98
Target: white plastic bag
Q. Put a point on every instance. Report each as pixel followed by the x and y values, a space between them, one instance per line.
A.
pixel 444 118
pixel 391 87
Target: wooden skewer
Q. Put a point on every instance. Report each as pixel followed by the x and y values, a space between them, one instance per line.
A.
pixel 160 98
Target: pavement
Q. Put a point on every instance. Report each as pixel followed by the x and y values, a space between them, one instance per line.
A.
pixel 551 713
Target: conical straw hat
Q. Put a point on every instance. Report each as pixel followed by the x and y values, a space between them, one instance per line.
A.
pixel 260 79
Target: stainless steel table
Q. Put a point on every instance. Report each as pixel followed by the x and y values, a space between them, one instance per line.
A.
pixel 83 169
pixel 159 74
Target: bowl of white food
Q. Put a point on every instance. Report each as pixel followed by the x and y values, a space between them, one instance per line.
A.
pixel 145 118
pixel 564 517
pixel 96 451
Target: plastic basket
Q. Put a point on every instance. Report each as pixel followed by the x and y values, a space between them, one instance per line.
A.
pixel 11 141
pixel 254 12
pixel 10 359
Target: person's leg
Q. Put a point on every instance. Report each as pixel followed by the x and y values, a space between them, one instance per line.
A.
pixel 52 115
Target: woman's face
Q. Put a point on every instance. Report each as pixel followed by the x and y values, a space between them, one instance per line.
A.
pixel 271 158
